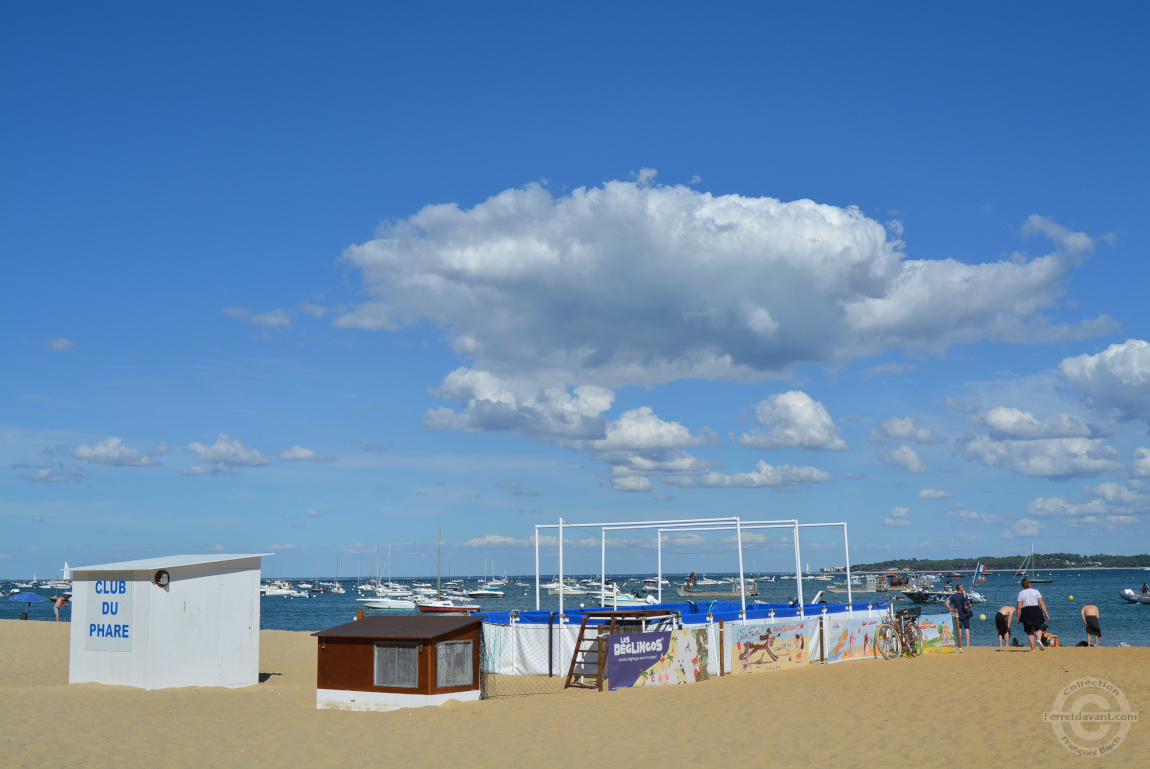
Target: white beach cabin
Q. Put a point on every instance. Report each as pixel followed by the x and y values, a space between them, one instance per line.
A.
pixel 183 620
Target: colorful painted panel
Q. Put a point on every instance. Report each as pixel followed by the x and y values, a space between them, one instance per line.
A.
pixel 760 648
pixel 850 639
pixel 937 633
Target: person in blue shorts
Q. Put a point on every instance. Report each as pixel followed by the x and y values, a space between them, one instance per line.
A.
pixel 959 604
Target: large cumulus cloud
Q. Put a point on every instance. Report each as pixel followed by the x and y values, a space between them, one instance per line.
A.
pixel 631 283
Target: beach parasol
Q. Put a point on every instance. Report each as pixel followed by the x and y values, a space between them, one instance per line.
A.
pixel 28 598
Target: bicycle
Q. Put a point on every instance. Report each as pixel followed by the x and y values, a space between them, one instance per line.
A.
pixel 900 634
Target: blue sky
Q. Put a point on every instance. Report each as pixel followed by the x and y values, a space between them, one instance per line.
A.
pixel 308 279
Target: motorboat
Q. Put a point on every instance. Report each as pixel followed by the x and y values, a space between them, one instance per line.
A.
pixel 627 599
pixel 386 603
pixel 486 592
pixel 276 588
pixel 567 590
pixel 1133 597
pixel 444 606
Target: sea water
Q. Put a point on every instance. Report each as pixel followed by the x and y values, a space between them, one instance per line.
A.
pixel 1121 621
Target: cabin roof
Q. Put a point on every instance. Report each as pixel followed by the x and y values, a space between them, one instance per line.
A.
pixel 168 562
pixel 414 628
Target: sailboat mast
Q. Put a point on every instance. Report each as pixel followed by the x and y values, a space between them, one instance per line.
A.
pixel 438 560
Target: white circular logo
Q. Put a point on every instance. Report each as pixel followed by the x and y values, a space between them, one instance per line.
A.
pixel 1090 717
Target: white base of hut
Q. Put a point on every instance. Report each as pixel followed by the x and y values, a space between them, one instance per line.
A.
pixel 380 702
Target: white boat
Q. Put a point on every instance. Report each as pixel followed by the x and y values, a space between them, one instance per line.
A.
pixel 705 581
pixel 386 603
pixel 279 587
pixel 443 606
pixel 486 592
pixel 567 590
pixel 627 599
pixel 1129 595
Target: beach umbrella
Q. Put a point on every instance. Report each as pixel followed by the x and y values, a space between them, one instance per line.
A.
pixel 28 598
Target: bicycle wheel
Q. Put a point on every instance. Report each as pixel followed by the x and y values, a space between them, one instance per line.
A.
pixel 886 641
pixel 913 640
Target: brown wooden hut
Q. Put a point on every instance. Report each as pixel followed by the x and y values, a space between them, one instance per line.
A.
pixel 385 663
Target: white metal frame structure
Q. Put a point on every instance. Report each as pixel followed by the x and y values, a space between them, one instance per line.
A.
pixel 688 525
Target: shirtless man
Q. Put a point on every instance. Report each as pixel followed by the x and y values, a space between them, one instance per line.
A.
pixel 1002 622
pixel 1093 629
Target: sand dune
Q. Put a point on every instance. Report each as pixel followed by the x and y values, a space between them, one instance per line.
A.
pixel 976 709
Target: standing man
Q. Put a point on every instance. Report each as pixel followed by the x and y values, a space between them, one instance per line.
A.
pixel 61 601
pixel 960 607
pixel 1032 613
pixel 1002 622
pixel 1093 629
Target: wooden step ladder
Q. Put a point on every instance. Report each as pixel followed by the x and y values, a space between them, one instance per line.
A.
pixel 590 649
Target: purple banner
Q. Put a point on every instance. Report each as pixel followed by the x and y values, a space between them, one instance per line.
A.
pixel 631 656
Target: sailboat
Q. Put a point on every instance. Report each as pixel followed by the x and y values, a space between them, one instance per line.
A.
pixel 337 588
pixel 439 604
pixel 388 599
pixel 1030 559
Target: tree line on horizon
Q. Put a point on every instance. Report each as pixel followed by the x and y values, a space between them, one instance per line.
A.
pixel 1047 560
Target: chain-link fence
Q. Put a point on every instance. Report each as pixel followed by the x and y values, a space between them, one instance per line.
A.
pixel 521 658
pixel 526 658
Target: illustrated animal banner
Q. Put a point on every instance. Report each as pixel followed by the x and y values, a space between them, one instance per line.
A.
pixel 760 648
pixel 657 659
pixel 850 639
pixel 937 633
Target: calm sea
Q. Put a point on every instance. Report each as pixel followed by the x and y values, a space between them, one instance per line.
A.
pixel 1121 621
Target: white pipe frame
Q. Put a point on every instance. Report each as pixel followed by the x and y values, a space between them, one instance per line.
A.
pixel 691 524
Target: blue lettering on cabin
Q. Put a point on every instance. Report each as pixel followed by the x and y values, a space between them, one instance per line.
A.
pixel 92 630
pixel 110 607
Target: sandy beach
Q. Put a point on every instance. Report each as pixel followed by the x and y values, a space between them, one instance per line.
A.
pixel 980 708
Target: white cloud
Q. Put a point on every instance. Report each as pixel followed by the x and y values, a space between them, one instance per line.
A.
pixel 902 456
pixel 1046 458
pixel 300 454
pixel 162 447
pixel 59 344
pixel 934 494
pixel 53 474
pixel 1118 378
pixel 766 475
pixel 638 283
pixel 903 429
pixel 1025 527
pixel 899 516
pixel 498 405
pixel 963 514
pixel 195 471
pixel 313 513
pixel 631 483
pixel 794 419
pixel 1005 422
pixel 641 429
pixel 497 539
pixel 1140 467
pixel 277 318
pixel 229 451
pixel 112 451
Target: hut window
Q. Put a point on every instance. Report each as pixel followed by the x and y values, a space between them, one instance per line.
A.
pixel 453 666
pixel 396 665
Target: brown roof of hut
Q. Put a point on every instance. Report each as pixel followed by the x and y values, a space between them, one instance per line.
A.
pixel 415 628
